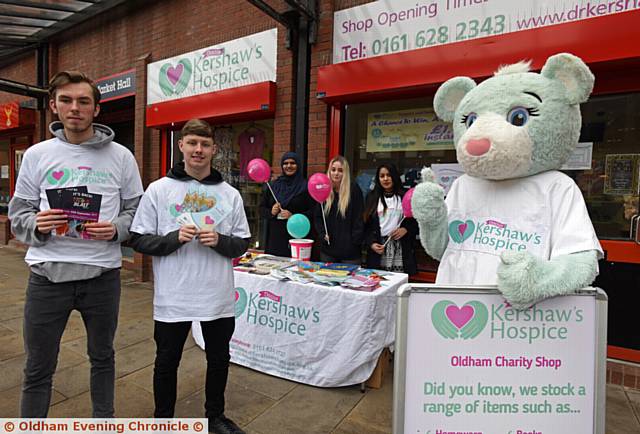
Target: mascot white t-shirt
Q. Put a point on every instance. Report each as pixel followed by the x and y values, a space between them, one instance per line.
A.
pixel 543 214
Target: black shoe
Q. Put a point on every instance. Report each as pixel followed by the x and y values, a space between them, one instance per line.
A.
pixel 224 425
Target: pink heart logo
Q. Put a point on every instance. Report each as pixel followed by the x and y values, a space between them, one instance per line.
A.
pixel 459 316
pixel 57 175
pixel 208 220
pixel 462 228
pixel 174 74
pixel 237 296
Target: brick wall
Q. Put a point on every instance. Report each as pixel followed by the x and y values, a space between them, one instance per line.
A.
pixel 131 37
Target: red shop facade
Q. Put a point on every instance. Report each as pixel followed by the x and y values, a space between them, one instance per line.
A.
pixel 368 78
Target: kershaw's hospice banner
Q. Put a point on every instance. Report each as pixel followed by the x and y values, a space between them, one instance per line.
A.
pixel 477 365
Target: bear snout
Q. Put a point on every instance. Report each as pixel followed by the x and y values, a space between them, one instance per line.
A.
pixel 477 147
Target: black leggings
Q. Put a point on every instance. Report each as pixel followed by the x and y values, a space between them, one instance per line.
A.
pixel 170 339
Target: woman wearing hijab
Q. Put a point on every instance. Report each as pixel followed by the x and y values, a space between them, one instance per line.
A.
pixel 384 222
pixel 291 191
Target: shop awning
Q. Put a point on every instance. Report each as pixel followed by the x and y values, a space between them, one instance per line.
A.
pixel 254 101
pixel 24 24
pixel 613 37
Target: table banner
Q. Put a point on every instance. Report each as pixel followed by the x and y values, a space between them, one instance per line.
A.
pixel 313 334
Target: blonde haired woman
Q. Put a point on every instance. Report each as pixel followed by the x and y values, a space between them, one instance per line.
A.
pixel 343 212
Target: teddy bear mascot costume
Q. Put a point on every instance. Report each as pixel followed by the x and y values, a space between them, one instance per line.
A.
pixel 512 219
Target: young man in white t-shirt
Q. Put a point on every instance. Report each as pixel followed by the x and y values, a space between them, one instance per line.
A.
pixel 192 223
pixel 70 272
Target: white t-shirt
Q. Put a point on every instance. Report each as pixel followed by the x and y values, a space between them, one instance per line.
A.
pixel 110 170
pixel 194 283
pixel 543 214
pixel 389 220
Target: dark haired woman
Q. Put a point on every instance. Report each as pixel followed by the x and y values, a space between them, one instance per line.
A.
pixel 291 190
pixel 384 222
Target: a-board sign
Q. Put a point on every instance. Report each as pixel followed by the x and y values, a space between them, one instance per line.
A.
pixel 468 363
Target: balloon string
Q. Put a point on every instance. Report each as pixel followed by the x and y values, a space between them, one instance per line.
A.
pixel 324 219
pixel 272 193
pixel 389 239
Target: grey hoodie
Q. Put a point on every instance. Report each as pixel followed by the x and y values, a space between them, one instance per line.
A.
pixel 22 214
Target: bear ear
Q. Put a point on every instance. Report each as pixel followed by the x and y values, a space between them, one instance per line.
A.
pixel 449 95
pixel 574 75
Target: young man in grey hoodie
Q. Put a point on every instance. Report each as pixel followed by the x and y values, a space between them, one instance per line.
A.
pixel 67 272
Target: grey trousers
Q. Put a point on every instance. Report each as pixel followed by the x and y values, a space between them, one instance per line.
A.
pixel 46 311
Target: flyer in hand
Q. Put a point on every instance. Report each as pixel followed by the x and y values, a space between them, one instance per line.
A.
pixel 80 207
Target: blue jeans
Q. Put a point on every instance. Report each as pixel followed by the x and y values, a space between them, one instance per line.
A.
pixel 46 311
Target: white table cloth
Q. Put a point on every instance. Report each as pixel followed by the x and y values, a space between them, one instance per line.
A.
pixel 318 335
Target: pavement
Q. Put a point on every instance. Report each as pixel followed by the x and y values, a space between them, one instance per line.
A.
pixel 259 403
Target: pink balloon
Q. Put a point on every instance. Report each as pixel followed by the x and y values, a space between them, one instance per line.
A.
pixel 259 170
pixel 406 203
pixel 319 187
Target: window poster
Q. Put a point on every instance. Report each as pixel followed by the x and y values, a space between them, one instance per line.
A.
pixel 408 130
pixel 580 158
pixel 621 174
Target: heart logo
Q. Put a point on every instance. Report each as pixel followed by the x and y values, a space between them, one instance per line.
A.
pixel 459 231
pixel 173 80
pixel 459 316
pixel 174 74
pixel 466 322
pixel 208 220
pixel 58 176
pixel 175 210
pixel 241 301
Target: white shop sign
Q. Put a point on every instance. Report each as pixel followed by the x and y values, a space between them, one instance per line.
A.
pixel 468 362
pixel 386 27
pixel 235 63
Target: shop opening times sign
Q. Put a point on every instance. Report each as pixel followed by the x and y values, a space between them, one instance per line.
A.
pixel 243 61
pixel 385 27
pixel 477 365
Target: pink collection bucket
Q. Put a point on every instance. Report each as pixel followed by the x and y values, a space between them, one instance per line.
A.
pixel 301 249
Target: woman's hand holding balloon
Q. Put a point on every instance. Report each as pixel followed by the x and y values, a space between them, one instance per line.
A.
pixel 285 214
pixel 398 233
pixel 378 248
pixel 275 209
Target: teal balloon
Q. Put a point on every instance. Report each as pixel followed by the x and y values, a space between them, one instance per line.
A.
pixel 298 226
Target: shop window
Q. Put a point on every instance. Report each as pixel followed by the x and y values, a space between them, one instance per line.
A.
pixel 406 133
pixel 119 115
pixel 238 143
pixel 605 165
pixel 5 185
pixel 611 176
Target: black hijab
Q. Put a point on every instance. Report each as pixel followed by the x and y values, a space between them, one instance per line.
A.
pixel 288 187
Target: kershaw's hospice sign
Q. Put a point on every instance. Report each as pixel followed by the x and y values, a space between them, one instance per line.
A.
pixel 477 365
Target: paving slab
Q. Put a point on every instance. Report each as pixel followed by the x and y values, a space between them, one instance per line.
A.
pixel 72 381
pixel 308 410
pixel 634 399
pixel 242 404
pixel 12 369
pixel 11 345
pixel 10 401
pixel 135 357
pixel 620 418
pixel 130 401
pixel 373 413
pixel 272 387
